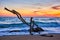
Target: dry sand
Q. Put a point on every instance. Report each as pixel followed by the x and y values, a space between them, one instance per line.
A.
pixel 30 37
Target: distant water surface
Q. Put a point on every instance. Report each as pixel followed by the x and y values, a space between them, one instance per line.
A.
pixel 50 25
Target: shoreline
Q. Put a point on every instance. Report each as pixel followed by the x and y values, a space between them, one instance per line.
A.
pixel 30 37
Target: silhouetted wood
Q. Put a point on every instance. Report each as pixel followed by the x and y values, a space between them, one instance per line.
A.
pixel 38 29
pixel 18 15
pixel 31 25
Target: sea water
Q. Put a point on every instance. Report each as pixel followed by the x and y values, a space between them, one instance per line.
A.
pixel 7 24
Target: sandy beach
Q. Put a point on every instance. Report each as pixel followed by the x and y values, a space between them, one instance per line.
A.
pixel 30 37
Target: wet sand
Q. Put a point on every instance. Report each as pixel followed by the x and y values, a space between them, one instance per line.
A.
pixel 30 37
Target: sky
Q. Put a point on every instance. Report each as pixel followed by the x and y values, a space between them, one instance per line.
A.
pixel 31 8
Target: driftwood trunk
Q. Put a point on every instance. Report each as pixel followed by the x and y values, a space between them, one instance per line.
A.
pixel 31 25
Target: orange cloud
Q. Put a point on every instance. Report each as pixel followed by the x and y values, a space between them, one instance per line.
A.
pixel 56 7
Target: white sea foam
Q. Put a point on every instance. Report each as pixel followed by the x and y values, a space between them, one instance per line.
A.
pixel 10 22
pixel 50 30
pixel 15 28
pixel 48 21
pixel 55 29
pixel 16 20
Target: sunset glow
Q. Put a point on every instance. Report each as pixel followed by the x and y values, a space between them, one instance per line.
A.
pixel 29 8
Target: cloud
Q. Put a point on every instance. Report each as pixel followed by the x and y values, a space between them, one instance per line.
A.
pixel 36 11
pixel 56 7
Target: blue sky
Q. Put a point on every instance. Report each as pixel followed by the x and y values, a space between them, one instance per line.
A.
pixel 28 3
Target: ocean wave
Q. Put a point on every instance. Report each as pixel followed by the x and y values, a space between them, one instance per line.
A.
pixel 15 20
pixel 13 28
pixel 4 22
pixel 10 22
pixel 10 31
pixel 47 21
pixel 55 29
